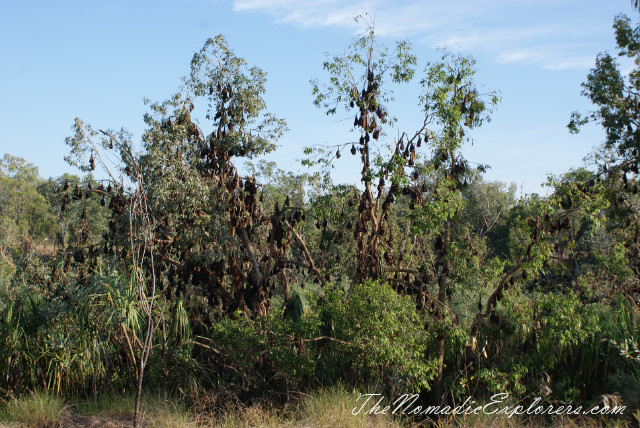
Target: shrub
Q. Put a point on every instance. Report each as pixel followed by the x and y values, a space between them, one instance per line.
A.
pixel 368 336
pixel 265 353
pixel 553 345
pixel 380 340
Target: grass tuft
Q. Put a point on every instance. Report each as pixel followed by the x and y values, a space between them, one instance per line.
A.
pixel 38 409
pixel 156 411
pixel 108 405
pixel 252 416
pixel 333 407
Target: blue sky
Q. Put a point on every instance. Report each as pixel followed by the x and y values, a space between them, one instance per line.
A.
pixel 97 60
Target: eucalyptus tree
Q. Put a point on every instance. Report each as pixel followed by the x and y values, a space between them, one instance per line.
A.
pixel 184 221
pixel 453 106
pixel 357 84
pixel 24 213
pixel 616 97
pixel 217 249
pixel 425 166
pixel 487 206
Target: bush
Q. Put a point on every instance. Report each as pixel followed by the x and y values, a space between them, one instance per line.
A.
pixel 63 338
pixel 555 346
pixel 368 337
pixel 380 340
pixel 266 353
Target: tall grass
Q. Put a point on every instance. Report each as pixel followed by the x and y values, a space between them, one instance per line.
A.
pixel 35 410
pixel 333 407
pixel 156 411
pixel 330 407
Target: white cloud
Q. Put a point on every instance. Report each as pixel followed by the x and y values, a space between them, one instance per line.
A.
pixel 546 33
pixel 305 13
pixel 572 62
pixel 483 38
pixel 523 56
pixel 241 5
pixel 393 19
pixel 547 57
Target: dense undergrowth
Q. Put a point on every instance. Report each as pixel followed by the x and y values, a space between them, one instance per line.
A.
pixel 541 345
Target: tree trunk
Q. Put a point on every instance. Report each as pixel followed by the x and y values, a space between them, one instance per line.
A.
pixel 136 414
pixel 437 392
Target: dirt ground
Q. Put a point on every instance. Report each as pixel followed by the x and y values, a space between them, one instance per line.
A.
pixel 77 421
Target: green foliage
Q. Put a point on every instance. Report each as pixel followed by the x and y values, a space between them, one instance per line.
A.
pixel 237 100
pixel 453 100
pixel 454 105
pixel 433 215
pixel 70 222
pixel 24 213
pixel 615 95
pixel 487 207
pixel 365 55
pixel 370 336
pixel 271 353
pixel 382 338
pixel 277 184
pixel 63 339
pixel 556 347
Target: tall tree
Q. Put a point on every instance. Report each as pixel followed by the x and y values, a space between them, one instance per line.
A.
pixel 218 250
pixel 24 213
pixel 357 83
pixel 433 182
pixel 617 97
pixel 617 100
pixel 453 106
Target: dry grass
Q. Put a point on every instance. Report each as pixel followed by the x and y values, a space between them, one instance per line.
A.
pixel 156 412
pixel 333 408
pixel 35 410
pixel 325 408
